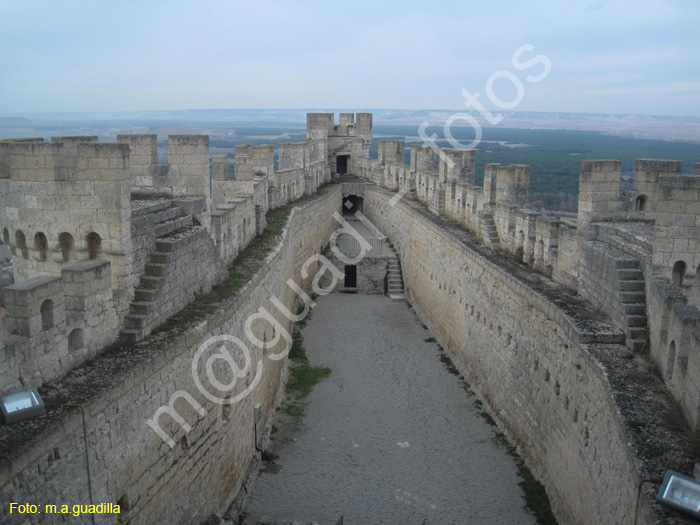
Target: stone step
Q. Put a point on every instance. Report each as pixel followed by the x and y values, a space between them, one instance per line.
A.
pixel 163 214
pixel 397 296
pixel 631 274
pixel 638 333
pixel 132 335
pixel 141 307
pixel 626 263
pixel 161 257
pixel 631 286
pixel 151 282
pixel 165 245
pixel 632 297
pixel 638 346
pixel 136 321
pixel 146 294
pixel 142 208
pixel 167 227
pixel 156 269
pixel 635 309
pixel 636 321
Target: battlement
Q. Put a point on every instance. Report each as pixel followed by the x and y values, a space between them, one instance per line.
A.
pixel 293 155
pixel 108 243
pixel 63 159
pixel 322 125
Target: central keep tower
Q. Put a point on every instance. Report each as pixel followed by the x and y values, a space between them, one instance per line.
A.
pixel 341 144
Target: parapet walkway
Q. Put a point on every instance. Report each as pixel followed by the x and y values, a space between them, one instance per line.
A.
pixel 391 436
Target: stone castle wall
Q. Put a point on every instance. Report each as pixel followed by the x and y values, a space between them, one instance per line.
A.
pixel 652 231
pixel 115 241
pixel 542 363
pixel 130 463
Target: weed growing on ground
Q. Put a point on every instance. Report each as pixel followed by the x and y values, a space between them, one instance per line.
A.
pixel 302 376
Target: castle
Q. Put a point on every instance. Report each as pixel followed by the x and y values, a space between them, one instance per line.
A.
pixel 581 336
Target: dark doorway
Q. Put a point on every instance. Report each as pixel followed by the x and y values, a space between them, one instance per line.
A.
pixel 341 164
pixel 350 276
pixel 352 204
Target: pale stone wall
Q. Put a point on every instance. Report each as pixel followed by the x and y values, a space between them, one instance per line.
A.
pixel 599 191
pixel 129 462
pixel 646 180
pixel 547 370
pixel 83 316
pixel 188 265
pixel 674 331
pixel 58 195
pixel 371 275
pixel 676 230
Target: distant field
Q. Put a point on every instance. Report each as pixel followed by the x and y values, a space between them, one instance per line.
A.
pixel 554 156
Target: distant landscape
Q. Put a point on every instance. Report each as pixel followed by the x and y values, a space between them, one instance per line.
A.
pixel 552 144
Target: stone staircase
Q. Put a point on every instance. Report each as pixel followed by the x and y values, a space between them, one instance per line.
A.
pixel 395 279
pixel 489 233
pixel 633 298
pixel 169 222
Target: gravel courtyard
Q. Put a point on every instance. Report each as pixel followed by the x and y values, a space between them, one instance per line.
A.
pixel 391 436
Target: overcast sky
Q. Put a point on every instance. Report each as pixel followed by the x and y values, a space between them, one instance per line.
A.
pixel 606 56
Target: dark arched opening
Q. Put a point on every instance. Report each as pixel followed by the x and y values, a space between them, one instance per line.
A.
pixel 21 244
pixel 66 244
pixel 641 203
pixel 679 273
pixel 47 314
pixel 94 245
pixel 352 204
pixel 41 244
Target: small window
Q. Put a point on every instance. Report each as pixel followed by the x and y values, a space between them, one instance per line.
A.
pixel 47 314
pixel 678 273
pixel 21 244
pixel 75 340
pixel 66 244
pixel 94 245
pixel 41 244
pixel 641 203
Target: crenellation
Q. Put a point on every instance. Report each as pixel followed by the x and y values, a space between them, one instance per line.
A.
pixel 457 165
pixel 220 168
pixel 599 191
pixel 646 181
pixel 318 124
pixel 108 244
pixel 293 155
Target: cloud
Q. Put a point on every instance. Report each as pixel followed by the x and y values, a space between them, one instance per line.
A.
pixel 78 56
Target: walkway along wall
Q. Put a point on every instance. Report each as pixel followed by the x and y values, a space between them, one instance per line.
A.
pixel 587 415
pixel 130 464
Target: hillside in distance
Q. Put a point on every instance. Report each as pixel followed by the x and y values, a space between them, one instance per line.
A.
pixel 552 144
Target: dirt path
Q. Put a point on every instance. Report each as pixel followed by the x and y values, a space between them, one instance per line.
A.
pixel 391 436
